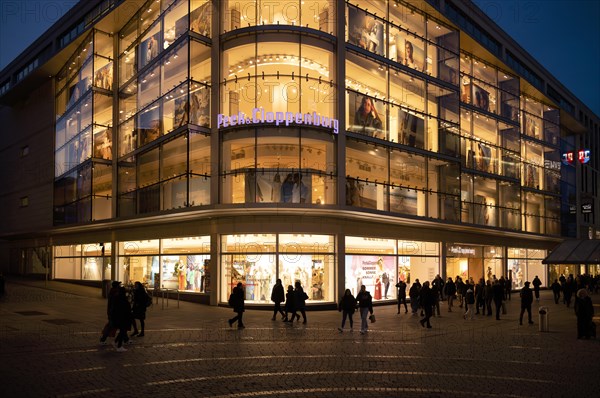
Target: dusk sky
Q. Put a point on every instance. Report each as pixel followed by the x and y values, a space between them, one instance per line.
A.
pixel 563 35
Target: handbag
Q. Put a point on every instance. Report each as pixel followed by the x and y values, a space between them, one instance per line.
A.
pixel 372 318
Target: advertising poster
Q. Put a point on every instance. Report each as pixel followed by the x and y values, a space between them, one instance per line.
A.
pixel 377 273
pixel 149 49
pixel 104 77
pixel 200 107
pixel 200 20
pixel 403 201
pixel 481 98
pixel 103 144
pixel 409 50
pixel 149 126
pixel 365 31
pixel 277 187
pixel 366 115
pixel 411 129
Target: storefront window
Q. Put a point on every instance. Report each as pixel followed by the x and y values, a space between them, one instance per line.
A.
pixel 82 262
pixel 525 264
pixel 257 261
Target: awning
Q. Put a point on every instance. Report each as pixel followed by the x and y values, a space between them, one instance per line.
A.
pixel 575 251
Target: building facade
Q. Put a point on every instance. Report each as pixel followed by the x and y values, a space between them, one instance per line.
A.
pixel 199 143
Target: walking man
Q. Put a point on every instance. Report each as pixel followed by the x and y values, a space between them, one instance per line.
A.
pixel 401 286
pixel 278 297
pixel 526 300
pixel 536 287
pixel 237 302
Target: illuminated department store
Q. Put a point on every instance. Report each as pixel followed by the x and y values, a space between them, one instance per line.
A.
pixel 201 143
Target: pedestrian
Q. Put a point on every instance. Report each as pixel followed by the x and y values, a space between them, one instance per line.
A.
pixel 469 301
pixel 584 310
pixel 435 296
pixel 141 301
pixel 536 287
pixel 498 296
pixel 526 300
pixel 236 300
pixel 413 293
pixel 508 287
pixel 278 297
pixel 112 294
pixel 347 306
pixel 479 292
pixel 450 292
pixel 568 290
pixel 290 305
pixel 460 290
pixel 488 296
pixel 120 316
pixel 426 298
pixel 401 286
pixel 365 306
pixel 300 300
pixel 556 290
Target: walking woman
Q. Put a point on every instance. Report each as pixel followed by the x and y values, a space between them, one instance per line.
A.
pixel 121 318
pixel 278 297
pixel 290 305
pixel 347 306
pixel 300 300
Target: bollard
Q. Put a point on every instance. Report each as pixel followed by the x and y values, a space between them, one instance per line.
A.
pixel 543 320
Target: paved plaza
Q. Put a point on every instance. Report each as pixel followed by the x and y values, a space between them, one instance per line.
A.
pixel 49 348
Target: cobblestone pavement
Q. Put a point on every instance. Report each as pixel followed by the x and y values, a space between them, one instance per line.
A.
pixel 49 348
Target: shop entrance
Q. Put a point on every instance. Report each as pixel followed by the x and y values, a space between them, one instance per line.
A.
pixel 473 262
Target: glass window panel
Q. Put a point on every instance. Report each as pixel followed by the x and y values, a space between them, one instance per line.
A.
pixel 127 176
pixel 174 69
pixel 200 105
pixel 411 248
pixel 200 154
pixel 366 162
pixel 128 101
pixel 102 180
pixel 407 91
pixel 366 31
pixel 174 158
pixel 127 65
pixel 199 191
pixel 174 193
pixel 149 86
pixel 366 115
pixel 356 244
pixel 67 268
pixel 176 108
pixel 148 168
pixel 200 62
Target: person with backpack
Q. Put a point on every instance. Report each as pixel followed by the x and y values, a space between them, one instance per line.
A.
pixel 141 301
pixel 236 300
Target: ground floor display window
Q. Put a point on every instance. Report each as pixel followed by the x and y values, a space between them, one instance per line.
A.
pixel 82 262
pixel 380 263
pixel 474 262
pixel 525 264
pixel 177 263
pixel 258 260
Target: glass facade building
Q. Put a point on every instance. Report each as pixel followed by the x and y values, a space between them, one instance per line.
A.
pixel 200 143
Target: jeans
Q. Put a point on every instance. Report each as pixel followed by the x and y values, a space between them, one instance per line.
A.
pixel 349 316
pixel 364 319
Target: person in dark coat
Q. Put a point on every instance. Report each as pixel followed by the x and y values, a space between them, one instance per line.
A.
pixel 556 290
pixel 526 300
pixel 488 297
pixel 365 305
pixel 568 290
pixel 278 297
pixel 290 305
pixel 427 300
pixel 450 292
pixel 300 300
pixel 479 296
pixel 413 293
pixel 112 294
pixel 238 305
pixel 347 306
pixel 584 309
pixel 497 296
pixel 536 287
pixel 401 286
pixel 140 303
pixel 120 315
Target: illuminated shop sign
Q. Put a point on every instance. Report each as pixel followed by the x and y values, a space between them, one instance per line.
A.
pixel 567 158
pixel 462 250
pixel 587 208
pixel 260 116
pixel 583 156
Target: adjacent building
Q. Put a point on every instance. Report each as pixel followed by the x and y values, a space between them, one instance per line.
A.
pixel 192 144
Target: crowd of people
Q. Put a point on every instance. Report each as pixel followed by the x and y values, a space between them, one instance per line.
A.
pixel 484 297
pixel 123 310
